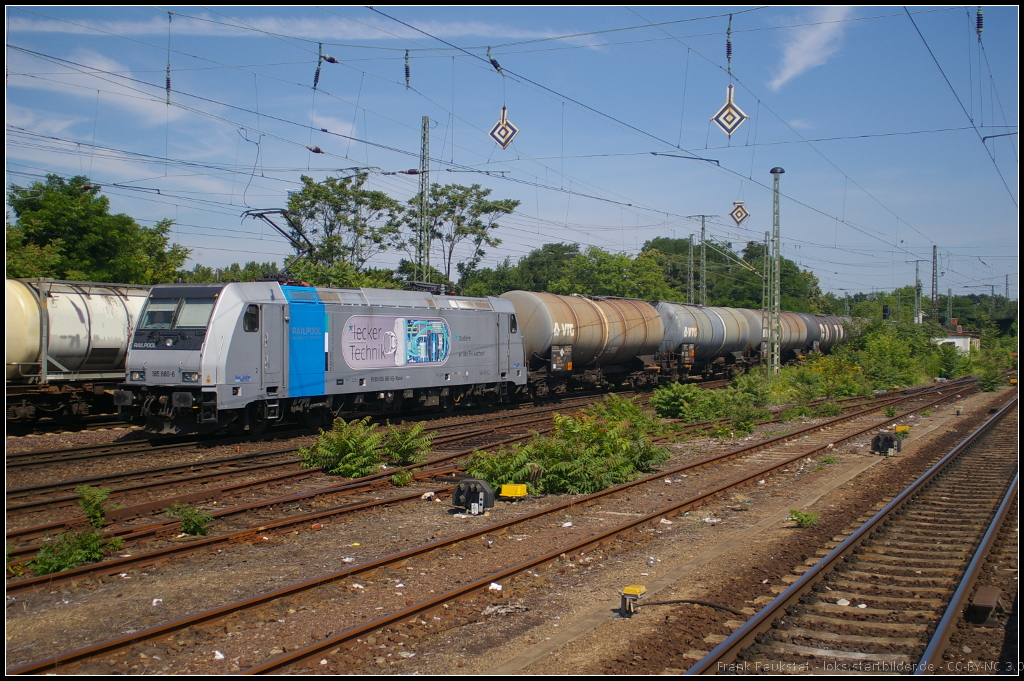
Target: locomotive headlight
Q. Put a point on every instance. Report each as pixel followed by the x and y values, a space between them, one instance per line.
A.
pixel 190 376
pixel 168 342
pixel 138 375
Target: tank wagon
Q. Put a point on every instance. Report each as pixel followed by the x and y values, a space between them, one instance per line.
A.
pixel 245 355
pixel 66 344
pixel 577 340
pixel 706 341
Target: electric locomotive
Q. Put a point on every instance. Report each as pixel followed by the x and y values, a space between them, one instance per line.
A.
pixel 244 355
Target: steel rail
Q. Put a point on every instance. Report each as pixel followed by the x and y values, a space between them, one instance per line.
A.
pixel 54 663
pixel 674 509
pixel 931 659
pixel 142 533
pixel 725 652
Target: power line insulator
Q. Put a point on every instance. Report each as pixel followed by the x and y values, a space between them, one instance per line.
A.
pixel 980 22
pixel 407 69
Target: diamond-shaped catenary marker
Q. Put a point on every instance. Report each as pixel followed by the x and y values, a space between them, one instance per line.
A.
pixel 503 131
pixel 739 213
pixel 730 117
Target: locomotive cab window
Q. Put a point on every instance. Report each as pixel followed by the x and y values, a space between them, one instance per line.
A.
pixel 251 319
pixel 513 325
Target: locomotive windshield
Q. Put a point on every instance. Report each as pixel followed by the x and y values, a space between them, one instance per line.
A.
pixel 176 313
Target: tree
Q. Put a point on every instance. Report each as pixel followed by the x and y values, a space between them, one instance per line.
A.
pixel 251 271
pixel 456 214
pixel 29 260
pixel 65 230
pixel 345 222
pixel 600 273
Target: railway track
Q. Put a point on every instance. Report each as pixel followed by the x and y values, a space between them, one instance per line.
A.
pixel 339 587
pixel 23 542
pixel 888 597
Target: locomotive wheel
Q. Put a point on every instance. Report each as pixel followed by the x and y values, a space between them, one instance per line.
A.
pixel 257 418
pixel 316 419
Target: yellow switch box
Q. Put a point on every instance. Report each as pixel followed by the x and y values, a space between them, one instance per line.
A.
pixel 513 491
pixel 902 430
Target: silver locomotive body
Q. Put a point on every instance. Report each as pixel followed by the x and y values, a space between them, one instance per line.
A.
pixel 246 355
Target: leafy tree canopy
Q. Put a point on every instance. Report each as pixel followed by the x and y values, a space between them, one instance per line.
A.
pixel 344 222
pixel 455 214
pixel 64 229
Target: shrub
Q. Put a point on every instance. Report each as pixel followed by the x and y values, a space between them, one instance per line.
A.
pixel 193 520
pixel 91 500
pixel 348 449
pixel 989 378
pixel 802 519
pixel 406 445
pixel 605 446
pixel 890 411
pixel 694 404
pixel 828 409
pixel 71 549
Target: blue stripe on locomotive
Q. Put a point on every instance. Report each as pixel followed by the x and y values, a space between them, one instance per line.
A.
pixel 307 329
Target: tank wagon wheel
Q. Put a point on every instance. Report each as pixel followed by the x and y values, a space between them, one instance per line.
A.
pixel 256 415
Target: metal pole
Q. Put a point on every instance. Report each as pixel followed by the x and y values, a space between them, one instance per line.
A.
pixel 766 301
pixel 703 266
pixel 776 339
pixel 917 291
pixel 423 265
pixel 689 270
pixel 935 283
pixel 949 306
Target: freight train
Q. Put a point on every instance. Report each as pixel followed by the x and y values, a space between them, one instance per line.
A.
pixel 206 357
pixel 66 344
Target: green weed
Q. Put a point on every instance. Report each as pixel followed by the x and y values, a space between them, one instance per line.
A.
pixel 91 500
pixel 890 412
pixel 802 519
pixel 402 478
pixel 193 520
pixel 71 549
pixel 406 445
pixel 604 446
pixel 348 449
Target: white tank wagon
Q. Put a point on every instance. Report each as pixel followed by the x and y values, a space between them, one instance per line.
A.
pixel 66 344
pixel 706 340
pixel 587 340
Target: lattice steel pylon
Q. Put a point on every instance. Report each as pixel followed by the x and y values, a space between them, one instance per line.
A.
pixel 766 299
pixel 703 265
pixel 689 273
pixel 775 327
pixel 423 251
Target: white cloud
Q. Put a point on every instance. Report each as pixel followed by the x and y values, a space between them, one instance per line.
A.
pixel 334 125
pixel 40 121
pixel 94 74
pixel 811 46
pixel 326 27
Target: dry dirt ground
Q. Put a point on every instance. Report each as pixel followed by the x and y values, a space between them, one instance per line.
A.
pixel 564 621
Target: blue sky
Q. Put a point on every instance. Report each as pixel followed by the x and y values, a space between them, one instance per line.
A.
pixel 877 118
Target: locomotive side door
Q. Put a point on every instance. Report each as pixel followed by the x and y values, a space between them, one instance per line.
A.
pixel 503 346
pixel 273 345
